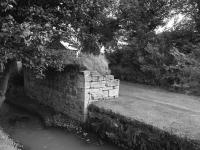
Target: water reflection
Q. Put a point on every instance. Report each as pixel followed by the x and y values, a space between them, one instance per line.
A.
pixel 29 131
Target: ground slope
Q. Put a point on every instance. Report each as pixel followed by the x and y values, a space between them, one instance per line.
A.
pixel 176 113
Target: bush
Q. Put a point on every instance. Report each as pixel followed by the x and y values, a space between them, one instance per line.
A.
pixel 164 61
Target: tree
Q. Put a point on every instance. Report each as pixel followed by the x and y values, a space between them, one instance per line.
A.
pixel 137 20
pixel 141 17
pixel 27 27
pixel 191 10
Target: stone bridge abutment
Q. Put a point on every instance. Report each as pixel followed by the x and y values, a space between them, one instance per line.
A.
pixel 71 92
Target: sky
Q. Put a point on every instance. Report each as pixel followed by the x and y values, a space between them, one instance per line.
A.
pixel 170 23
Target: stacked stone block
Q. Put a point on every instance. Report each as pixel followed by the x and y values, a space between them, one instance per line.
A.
pixel 71 92
pixel 98 87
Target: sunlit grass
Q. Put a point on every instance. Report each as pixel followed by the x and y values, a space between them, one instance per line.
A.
pixel 7 143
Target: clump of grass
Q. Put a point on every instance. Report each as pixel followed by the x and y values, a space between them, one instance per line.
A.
pixel 7 143
pixel 89 62
pixel 94 63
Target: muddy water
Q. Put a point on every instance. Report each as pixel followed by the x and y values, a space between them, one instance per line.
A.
pixel 28 130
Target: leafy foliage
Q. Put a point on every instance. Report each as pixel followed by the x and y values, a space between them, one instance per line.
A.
pixel 28 27
pixel 169 59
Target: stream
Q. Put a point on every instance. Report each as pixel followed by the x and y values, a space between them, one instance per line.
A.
pixel 29 131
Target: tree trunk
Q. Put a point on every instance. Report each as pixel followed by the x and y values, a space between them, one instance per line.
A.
pixel 3 86
pixel 10 68
pixel 197 16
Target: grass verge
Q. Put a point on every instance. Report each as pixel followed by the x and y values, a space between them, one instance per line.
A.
pixel 6 143
pixel 135 135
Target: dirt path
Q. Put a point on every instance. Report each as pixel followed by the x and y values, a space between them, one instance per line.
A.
pixel 172 112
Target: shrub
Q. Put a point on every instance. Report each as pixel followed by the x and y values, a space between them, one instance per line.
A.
pixel 167 61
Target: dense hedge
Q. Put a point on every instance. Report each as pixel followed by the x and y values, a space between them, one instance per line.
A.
pixel 170 60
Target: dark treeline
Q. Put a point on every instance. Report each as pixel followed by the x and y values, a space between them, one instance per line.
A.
pixel 169 59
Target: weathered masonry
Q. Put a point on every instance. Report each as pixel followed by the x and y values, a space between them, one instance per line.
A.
pixel 71 92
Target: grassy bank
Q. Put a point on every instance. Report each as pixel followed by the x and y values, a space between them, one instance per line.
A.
pixel 6 143
pixel 134 135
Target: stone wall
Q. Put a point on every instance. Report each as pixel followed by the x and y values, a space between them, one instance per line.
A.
pixel 99 87
pixel 71 92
